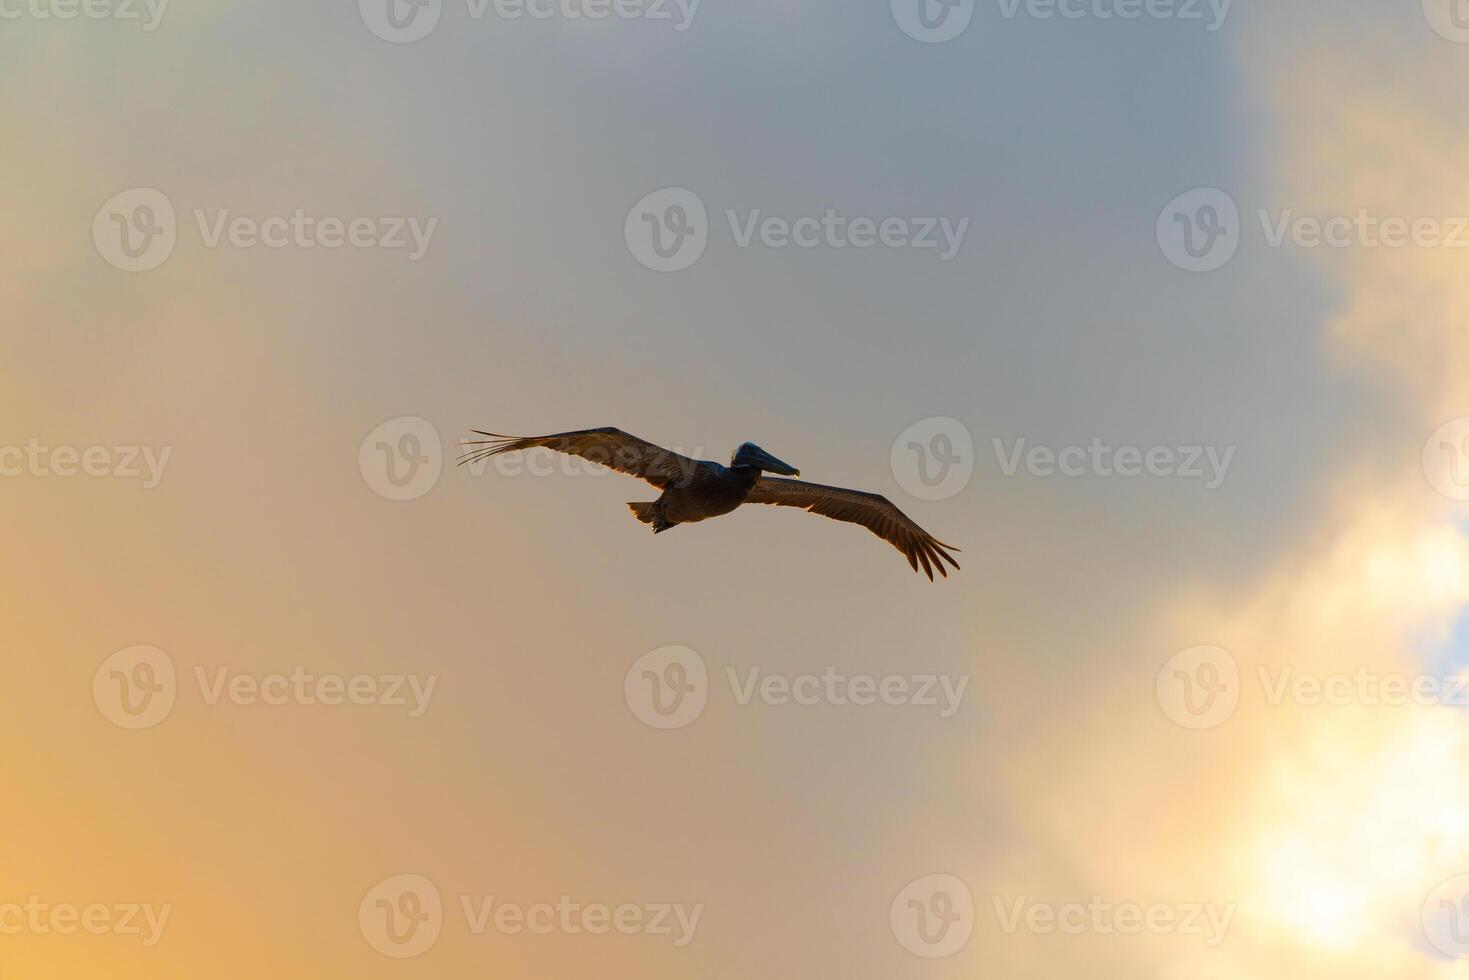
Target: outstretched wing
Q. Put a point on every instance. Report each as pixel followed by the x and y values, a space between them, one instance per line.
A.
pixel 872 510
pixel 610 447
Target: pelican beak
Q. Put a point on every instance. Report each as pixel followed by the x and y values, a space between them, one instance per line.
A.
pixel 770 464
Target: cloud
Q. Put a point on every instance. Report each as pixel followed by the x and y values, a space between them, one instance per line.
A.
pixel 1328 825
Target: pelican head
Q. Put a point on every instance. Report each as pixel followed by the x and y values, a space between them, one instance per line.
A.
pixel 752 456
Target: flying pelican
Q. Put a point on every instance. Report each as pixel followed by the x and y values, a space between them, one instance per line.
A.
pixel 694 490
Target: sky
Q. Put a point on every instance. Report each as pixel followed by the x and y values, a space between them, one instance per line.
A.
pixel 1154 309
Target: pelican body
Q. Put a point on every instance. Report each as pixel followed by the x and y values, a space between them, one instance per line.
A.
pixel 711 489
pixel 696 490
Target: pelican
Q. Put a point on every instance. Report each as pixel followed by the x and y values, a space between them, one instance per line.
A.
pixel 695 490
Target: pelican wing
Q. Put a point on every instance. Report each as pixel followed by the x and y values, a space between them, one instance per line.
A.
pixel 610 447
pixel 872 510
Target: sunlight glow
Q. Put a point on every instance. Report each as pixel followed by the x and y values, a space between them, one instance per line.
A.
pixel 1366 833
